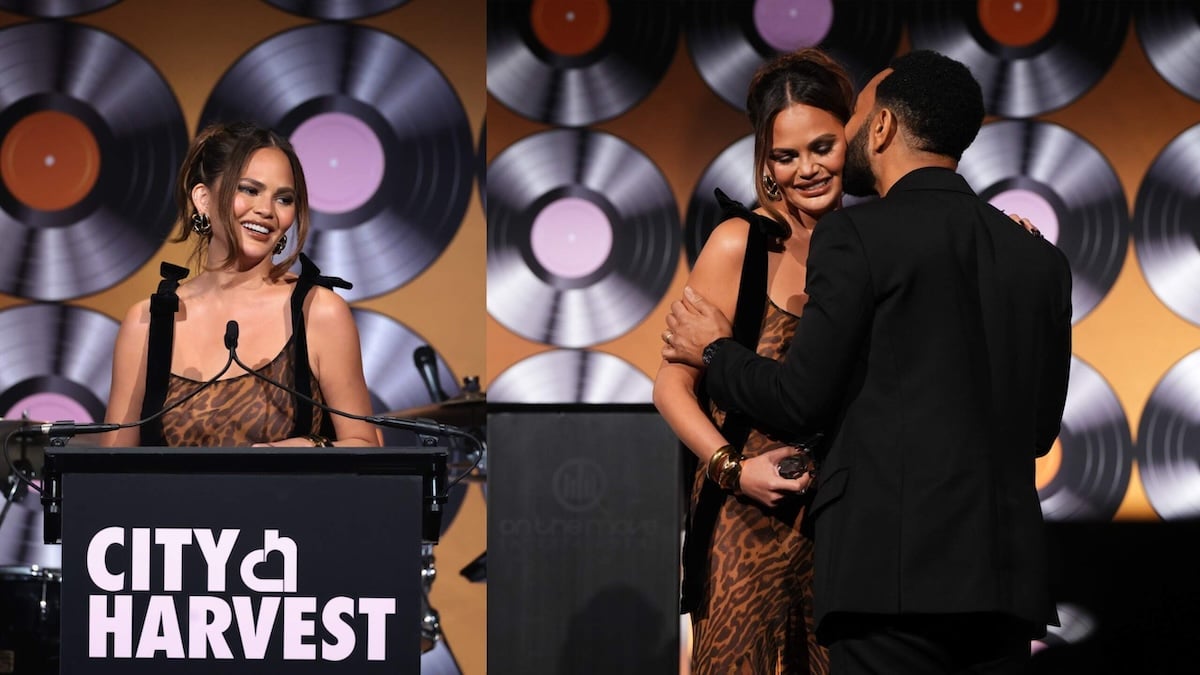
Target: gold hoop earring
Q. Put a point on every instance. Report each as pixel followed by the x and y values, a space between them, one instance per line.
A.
pixel 770 187
pixel 279 245
pixel 201 225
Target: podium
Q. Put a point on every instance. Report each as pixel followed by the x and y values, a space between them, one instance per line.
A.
pixel 263 560
pixel 584 516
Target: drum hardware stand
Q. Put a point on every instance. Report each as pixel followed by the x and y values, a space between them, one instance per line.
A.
pixel 431 625
pixel 15 490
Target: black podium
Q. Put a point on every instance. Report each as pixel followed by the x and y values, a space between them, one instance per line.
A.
pixel 263 560
pixel 583 540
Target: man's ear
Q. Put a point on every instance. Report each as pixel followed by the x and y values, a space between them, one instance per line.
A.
pixel 882 130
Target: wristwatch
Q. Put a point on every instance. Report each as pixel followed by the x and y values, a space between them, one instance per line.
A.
pixel 711 350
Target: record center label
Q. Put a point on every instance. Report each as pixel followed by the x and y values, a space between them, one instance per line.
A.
pixel 787 25
pixel 571 237
pixel 570 27
pixel 1017 23
pixel 343 161
pixel 50 160
pixel 1032 206
pixel 48 407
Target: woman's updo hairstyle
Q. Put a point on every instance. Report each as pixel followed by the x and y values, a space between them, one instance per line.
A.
pixel 807 76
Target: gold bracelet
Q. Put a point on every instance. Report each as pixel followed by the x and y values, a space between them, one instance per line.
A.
pixel 725 468
pixel 716 460
pixel 319 441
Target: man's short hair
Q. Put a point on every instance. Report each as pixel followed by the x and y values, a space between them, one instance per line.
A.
pixel 936 99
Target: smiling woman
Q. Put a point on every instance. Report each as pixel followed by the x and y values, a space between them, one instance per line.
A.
pixel 241 192
pixel 747 564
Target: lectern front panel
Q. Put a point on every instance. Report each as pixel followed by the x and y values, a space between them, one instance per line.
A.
pixel 240 573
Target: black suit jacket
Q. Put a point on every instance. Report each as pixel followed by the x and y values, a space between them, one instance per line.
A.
pixel 934 350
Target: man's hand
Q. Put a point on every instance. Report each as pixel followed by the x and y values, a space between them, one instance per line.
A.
pixel 692 324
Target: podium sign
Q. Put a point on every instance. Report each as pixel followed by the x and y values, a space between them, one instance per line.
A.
pixel 242 572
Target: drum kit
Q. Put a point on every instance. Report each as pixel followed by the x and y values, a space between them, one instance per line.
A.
pixel 30 570
pixel 468 411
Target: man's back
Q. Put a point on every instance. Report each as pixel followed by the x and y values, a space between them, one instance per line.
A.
pixel 957 380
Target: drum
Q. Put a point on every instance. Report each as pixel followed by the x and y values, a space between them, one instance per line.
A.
pixel 21 538
pixel 29 619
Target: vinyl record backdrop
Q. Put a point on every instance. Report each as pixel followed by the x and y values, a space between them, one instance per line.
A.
pixel 611 123
pixel 384 101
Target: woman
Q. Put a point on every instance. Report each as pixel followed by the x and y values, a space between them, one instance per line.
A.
pixel 748 567
pixel 240 193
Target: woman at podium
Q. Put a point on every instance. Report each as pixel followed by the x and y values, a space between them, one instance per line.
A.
pixel 229 356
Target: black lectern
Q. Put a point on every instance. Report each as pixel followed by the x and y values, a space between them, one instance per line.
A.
pixel 251 560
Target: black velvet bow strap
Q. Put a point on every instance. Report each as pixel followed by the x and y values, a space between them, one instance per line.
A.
pixel 310 275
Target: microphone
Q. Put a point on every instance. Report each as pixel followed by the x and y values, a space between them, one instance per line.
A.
pixel 59 432
pixel 63 429
pixel 426 362
pixel 427 427
pixel 68 428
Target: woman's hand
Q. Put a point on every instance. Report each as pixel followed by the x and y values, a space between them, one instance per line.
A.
pixel 760 479
pixel 296 442
pixel 1024 222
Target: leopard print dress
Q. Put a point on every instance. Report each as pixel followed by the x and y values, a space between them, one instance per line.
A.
pixel 238 411
pixel 755 616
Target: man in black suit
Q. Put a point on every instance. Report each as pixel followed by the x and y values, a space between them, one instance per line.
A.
pixel 933 352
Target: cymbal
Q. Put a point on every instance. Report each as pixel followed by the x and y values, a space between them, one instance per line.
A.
pixel 466 410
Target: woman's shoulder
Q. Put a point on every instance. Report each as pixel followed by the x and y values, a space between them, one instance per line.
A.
pixel 759 218
pixel 138 310
pixel 728 237
pixel 324 304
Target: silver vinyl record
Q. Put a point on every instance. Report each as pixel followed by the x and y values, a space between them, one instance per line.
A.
pixel 1066 187
pixel 575 64
pixel 1169 31
pixel 583 237
pixel 481 165
pixel 57 360
pixel 571 376
pixel 336 10
pixel 729 40
pixel 1030 58
pixel 1166 220
pixel 386 146
pixel 1169 442
pixel 733 173
pixel 55 9
pixel 395 383
pixel 92 141
pixel 1097 452
pixel 392 376
pixel 57 366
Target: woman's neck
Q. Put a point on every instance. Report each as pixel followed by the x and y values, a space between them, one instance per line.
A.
pixel 233 278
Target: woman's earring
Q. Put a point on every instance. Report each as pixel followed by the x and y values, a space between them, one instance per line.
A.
pixel 201 225
pixel 279 245
pixel 770 186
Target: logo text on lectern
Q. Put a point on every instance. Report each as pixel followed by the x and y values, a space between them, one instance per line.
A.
pixel 169 623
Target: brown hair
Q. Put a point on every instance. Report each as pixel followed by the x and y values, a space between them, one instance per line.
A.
pixel 223 150
pixel 807 76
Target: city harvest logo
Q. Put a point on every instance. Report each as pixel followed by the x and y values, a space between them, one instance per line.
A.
pixel 219 624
